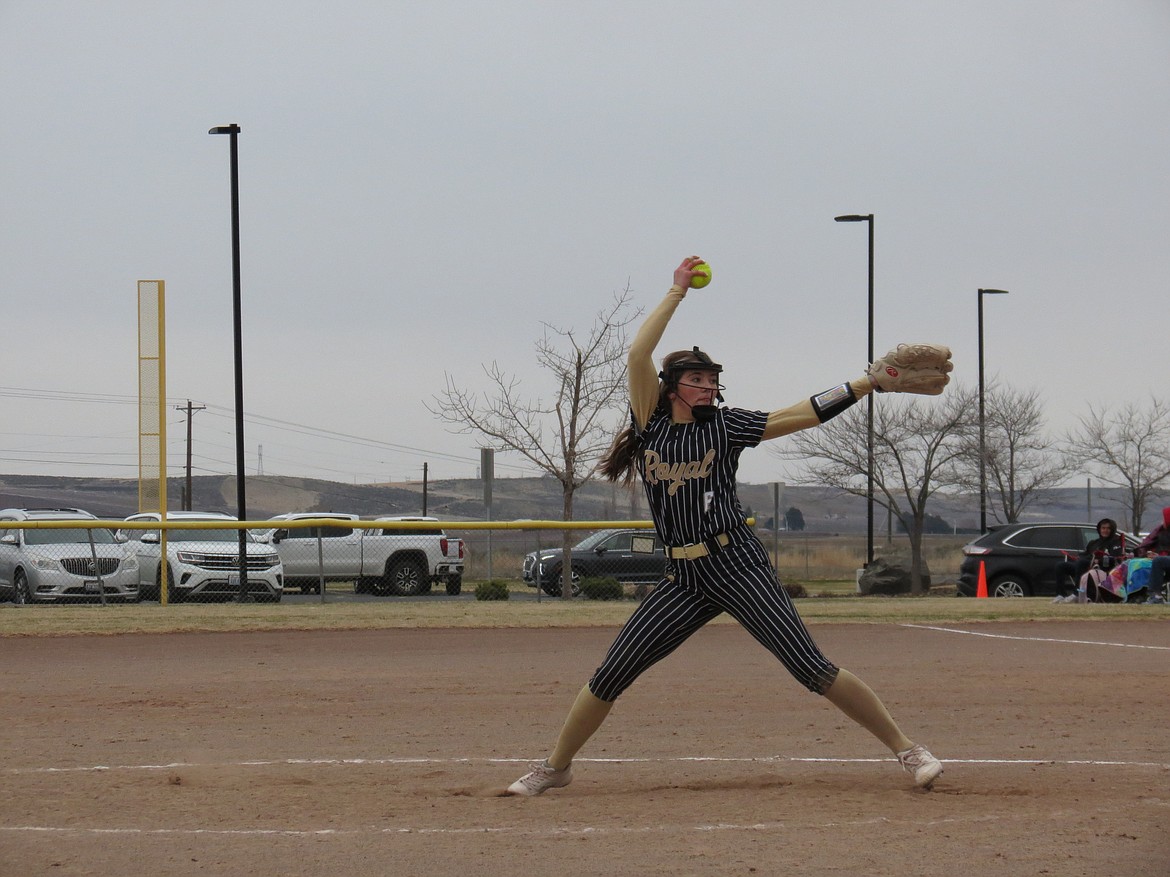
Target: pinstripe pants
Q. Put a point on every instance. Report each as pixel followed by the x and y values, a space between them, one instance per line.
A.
pixel 739 581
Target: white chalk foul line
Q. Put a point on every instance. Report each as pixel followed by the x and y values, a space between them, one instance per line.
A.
pixel 1038 639
pixel 541 831
pixel 524 831
pixel 764 759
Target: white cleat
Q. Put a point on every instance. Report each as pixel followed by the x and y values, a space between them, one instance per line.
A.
pixel 540 779
pixel 923 766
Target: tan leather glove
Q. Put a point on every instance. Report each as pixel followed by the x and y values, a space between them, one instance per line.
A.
pixel 913 368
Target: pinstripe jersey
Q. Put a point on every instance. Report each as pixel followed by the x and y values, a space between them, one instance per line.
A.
pixel 688 470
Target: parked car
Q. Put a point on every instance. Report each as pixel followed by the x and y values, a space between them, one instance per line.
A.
pixel 1020 559
pixel 630 556
pixel 203 563
pixel 59 564
pixel 389 559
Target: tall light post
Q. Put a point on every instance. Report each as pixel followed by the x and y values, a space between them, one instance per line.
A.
pixel 233 131
pixel 982 420
pixel 868 218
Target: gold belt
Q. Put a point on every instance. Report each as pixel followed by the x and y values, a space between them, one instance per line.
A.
pixel 698 549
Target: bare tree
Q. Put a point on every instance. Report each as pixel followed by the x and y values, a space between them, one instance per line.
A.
pixel 1021 461
pixel 917 446
pixel 567 436
pixel 1128 448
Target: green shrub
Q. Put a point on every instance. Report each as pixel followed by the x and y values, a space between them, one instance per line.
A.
pixel 602 588
pixel 795 590
pixel 496 589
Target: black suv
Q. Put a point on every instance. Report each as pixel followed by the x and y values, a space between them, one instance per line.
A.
pixel 1021 558
pixel 630 556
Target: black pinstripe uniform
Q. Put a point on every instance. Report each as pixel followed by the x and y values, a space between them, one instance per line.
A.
pixel 688 470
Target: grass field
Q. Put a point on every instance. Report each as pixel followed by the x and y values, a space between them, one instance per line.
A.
pixel 824 565
pixel 152 618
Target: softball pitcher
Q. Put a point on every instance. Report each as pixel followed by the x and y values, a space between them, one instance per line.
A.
pixel 686 449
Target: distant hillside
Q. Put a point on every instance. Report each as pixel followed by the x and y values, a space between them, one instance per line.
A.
pixel 824 510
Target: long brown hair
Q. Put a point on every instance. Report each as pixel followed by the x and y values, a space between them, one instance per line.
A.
pixel 619 462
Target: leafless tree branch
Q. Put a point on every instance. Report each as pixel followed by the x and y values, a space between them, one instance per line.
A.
pixel 568 436
pixel 1021 461
pixel 1126 447
pixel 917 446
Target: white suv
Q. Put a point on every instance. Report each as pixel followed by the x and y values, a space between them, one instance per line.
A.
pixel 203 563
pixel 62 564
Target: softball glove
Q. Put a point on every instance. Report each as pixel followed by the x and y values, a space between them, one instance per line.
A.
pixel 913 368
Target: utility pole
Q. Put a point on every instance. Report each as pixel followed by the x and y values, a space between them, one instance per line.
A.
pixel 190 409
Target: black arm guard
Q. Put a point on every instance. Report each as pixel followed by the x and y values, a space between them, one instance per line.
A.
pixel 830 403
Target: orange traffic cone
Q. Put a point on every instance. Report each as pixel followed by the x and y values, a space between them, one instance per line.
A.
pixel 981 589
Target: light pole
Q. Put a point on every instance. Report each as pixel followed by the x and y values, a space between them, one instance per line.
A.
pixel 982 421
pixel 233 131
pixel 867 218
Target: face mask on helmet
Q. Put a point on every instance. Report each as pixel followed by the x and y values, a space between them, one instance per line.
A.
pixel 697 361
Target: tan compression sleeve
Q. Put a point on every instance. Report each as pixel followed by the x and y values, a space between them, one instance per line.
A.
pixel 800 416
pixel 641 374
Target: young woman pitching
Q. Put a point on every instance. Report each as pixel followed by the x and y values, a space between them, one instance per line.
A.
pixel 686 448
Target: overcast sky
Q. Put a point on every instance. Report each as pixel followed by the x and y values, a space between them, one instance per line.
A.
pixel 424 185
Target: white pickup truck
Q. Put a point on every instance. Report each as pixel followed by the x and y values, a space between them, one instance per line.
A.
pixel 385 559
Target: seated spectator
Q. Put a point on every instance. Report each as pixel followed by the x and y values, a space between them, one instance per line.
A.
pixel 1156 546
pixel 1103 552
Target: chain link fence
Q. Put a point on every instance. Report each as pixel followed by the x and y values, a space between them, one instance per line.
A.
pixel 59 556
pixel 194 557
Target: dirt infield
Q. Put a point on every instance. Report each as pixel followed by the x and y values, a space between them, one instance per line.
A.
pixel 384 752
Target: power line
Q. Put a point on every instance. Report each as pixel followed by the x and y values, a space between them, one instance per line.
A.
pixel 68 396
pixel 305 429
pixel 73 396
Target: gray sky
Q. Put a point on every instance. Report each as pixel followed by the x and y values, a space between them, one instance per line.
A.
pixel 424 184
